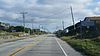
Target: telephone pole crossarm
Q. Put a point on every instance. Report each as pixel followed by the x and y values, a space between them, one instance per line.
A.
pixel 23 15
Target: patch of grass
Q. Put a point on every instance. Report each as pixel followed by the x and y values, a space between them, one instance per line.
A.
pixel 90 47
pixel 8 35
pixel 12 40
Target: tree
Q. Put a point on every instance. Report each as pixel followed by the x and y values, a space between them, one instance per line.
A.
pixel 27 30
pixel 59 33
pixel 19 28
pixel 10 29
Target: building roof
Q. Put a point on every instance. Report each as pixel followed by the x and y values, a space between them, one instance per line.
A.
pixel 96 18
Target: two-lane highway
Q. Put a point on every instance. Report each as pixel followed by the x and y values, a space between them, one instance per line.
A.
pixel 48 47
pixel 11 47
pixel 39 46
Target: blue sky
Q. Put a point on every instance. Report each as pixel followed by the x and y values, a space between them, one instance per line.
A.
pixel 47 13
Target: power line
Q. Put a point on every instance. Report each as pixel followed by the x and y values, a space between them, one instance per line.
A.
pixel 23 15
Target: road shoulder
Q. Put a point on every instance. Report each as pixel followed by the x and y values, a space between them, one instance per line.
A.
pixel 68 49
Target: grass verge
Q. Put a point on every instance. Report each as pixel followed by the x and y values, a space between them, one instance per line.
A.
pixel 89 47
pixel 11 40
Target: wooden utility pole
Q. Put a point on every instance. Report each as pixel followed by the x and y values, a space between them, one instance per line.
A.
pixel 32 27
pixel 23 15
pixel 72 17
pixel 63 25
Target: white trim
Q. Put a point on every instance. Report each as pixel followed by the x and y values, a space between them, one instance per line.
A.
pixel 61 47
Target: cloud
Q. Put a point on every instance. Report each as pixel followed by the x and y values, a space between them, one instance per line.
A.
pixel 50 12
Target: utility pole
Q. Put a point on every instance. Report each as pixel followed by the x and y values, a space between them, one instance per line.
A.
pixel 72 17
pixel 43 28
pixel 40 26
pixel 63 25
pixel 23 15
pixel 32 27
pixel 56 28
pixel 81 32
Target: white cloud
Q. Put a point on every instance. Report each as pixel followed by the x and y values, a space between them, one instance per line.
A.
pixel 48 11
pixel 2 12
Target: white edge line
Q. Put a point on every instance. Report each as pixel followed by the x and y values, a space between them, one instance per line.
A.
pixel 61 47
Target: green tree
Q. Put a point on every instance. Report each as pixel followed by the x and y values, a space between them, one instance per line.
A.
pixel 10 29
pixel 27 30
pixel 19 28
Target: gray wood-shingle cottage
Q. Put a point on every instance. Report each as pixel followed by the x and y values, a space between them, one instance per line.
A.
pixel 89 23
pixel 92 24
pixel 92 21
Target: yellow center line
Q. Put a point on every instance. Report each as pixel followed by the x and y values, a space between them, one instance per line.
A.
pixel 17 50
pixel 27 46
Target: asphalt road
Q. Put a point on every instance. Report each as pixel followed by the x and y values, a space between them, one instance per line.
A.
pixel 44 45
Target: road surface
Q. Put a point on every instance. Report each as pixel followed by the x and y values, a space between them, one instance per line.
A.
pixel 44 45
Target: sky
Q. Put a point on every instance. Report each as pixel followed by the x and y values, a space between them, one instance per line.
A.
pixel 47 13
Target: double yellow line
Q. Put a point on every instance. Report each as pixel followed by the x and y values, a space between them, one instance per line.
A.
pixel 27 46
pixel 17 50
